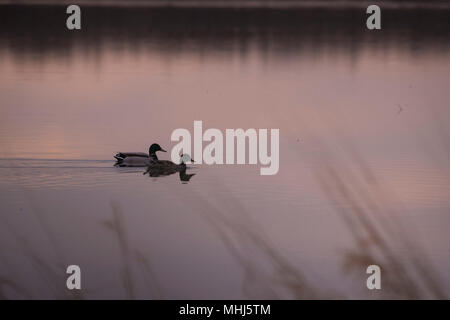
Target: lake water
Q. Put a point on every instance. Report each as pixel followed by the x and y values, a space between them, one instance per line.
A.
pixel 364 152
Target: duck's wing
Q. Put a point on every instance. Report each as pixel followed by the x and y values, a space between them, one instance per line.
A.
pixel 123 155
pixel 133 162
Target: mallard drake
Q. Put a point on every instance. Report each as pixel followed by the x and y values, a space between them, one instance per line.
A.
pixel 138 159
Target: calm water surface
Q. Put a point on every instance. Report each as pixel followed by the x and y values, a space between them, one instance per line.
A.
pixel 364 159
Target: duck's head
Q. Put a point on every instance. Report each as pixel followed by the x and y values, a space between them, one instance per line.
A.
pixel 185 158
pixel 155 147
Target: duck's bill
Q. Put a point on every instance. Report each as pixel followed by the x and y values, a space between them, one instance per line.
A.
pixel 163 150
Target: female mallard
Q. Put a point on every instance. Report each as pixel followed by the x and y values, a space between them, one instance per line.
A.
pixel 138 159
pixel 166 167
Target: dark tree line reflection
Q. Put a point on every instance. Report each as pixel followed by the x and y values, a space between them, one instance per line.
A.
pixel 39 32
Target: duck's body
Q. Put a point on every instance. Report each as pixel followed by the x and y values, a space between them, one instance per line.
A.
pixel 165 167
pixel 138 159
pixel 134 162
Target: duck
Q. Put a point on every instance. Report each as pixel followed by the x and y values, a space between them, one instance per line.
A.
pixel 138 159
pixel 166 167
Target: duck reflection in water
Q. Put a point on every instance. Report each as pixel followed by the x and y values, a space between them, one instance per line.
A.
pixel 162 168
